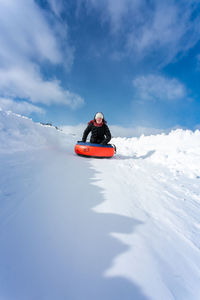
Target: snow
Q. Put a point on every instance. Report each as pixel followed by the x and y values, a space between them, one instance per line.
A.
pixel 81 228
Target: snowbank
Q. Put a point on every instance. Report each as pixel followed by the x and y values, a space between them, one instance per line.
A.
pixel 19 133
pixel 179 150
pixel 76 228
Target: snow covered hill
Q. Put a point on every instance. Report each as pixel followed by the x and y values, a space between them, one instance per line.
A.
pixel 82 229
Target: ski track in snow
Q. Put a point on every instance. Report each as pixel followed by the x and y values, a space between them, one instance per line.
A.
pixel 79 228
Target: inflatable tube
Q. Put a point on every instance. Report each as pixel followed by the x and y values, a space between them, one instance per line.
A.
pixel 95 150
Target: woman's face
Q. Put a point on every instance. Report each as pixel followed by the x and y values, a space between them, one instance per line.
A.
pixel 99 120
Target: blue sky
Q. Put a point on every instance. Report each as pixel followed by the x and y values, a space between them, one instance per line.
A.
pixel 136 61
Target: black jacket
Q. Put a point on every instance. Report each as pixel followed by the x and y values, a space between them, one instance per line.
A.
pixel 99 135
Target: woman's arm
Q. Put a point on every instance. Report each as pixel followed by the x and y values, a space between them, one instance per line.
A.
pixel 107 134
pixel 86 132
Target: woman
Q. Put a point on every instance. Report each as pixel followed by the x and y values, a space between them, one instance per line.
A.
pixel 100 133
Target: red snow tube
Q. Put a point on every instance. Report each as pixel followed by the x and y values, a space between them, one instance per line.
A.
pixel 95 150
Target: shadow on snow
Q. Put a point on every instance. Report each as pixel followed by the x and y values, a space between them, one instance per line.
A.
pixel 148 154
pixel 55 247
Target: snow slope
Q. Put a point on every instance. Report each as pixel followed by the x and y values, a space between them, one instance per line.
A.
pixel 79 229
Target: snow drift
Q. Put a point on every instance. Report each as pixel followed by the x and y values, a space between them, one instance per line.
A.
pixel 76 228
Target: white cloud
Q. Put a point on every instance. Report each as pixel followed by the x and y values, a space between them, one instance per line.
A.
pixel 28 84
pixel 27 42
pixel 168 31
pixel 116 131
pixel 113 11
pixel 160 30
pixel 21 107
pixel 119 131
pixel 57 6
pixel 158 88
pixel 117 10
pixel 25 33
pixel 76 130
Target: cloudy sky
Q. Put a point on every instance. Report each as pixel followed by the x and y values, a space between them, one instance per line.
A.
pixel 137 61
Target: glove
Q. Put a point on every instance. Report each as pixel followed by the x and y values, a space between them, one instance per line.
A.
pixel 103 143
